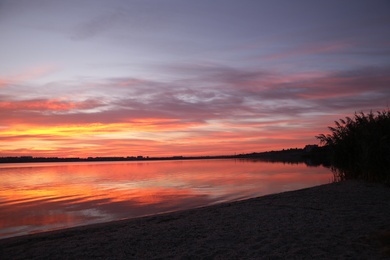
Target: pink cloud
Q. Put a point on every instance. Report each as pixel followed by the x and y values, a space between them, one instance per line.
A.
pixel 54 105
pixel 27 75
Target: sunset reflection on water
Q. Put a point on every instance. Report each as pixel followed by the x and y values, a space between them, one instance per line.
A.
pixel 47 196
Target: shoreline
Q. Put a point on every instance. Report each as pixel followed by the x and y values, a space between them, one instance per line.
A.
pixel 337 220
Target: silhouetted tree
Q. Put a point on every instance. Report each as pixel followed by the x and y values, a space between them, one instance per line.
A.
pixel 360 146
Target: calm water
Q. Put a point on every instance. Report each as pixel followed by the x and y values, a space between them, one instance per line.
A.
pixel 40 197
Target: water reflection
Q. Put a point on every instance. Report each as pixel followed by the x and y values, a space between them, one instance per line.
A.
pixel 40 197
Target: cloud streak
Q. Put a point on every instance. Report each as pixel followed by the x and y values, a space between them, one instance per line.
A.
pixel 27 75
pixel 308 50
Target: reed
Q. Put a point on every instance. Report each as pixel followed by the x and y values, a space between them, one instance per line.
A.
pixel 360 146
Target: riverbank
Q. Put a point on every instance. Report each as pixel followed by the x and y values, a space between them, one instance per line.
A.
pixel 339 220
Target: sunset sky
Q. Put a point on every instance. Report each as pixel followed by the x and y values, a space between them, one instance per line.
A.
pixel 184 77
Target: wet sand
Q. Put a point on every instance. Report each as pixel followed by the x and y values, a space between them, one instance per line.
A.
pixel 337 221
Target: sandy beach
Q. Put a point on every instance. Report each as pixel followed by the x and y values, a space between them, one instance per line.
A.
pixel 339 221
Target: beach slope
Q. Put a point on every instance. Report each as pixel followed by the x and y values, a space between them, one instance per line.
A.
pixel 338 220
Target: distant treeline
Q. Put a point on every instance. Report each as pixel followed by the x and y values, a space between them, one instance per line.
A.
pixel 31 159
pixel 311 155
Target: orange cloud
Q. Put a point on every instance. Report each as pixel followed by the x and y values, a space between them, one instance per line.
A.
pixel 52 105
pixel 85 140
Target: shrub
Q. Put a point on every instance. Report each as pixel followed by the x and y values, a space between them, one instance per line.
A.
pixel 360 146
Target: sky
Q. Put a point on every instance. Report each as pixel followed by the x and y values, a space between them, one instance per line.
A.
pixel 83 78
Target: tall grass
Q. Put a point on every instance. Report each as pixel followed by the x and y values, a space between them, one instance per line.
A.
pixel 360 146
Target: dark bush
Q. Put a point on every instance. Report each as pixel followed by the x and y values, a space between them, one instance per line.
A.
pixel 360 147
